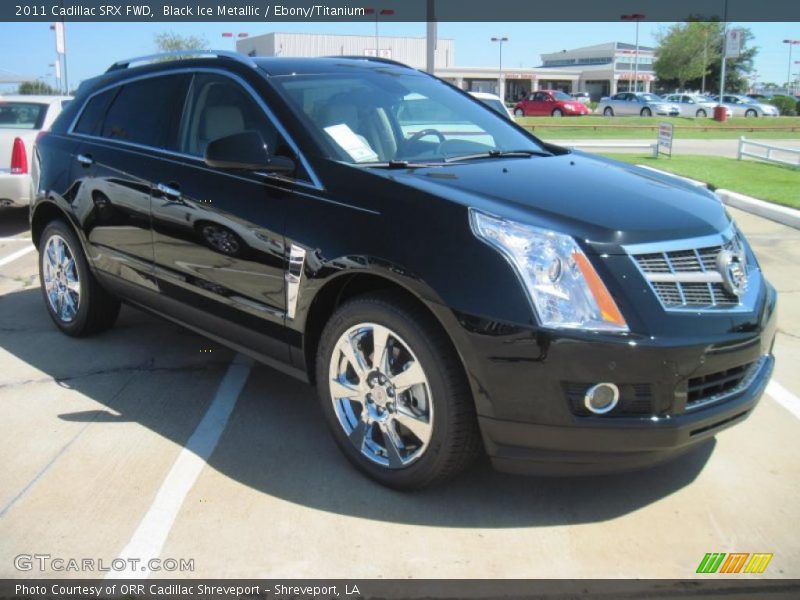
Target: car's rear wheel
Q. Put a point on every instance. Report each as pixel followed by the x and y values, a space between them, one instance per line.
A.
pixel 646 112
pixel 751 113
pixel 608 111
pixel 394 394
pixel 75 301
pixel 518 112
pixel 557 112
pixel 701 114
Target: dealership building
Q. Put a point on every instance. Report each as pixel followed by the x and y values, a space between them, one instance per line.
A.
pixel 601 70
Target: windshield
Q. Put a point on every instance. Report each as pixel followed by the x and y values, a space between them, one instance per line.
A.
pixel 21 115
pixel 383 115
pixel 650 98
pixel 562 96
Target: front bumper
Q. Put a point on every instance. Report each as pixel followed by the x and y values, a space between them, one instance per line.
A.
pixel 531 422
pixel 15 190
pixel 606 446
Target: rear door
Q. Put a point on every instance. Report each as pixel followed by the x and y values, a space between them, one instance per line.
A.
pixel 126 133
pixel 218 233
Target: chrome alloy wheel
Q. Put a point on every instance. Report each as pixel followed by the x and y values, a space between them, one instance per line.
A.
pixel 381 395
pixel 61 280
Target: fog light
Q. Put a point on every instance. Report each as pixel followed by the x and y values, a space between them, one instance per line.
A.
pixel 601 398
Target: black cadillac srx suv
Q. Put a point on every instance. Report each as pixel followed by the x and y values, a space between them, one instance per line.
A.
pixel 449 282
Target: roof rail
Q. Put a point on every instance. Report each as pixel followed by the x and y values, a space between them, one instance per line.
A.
pixel 183 54
pixel 387 61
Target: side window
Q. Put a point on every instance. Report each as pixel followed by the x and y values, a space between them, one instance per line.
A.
pixel 539 97
pixel 217 107
pixel 91 119
pixel 145 111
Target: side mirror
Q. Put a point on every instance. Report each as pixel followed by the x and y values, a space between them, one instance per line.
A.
pixel 245 151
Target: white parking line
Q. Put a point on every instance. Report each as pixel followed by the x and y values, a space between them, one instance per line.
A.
pixel 152 532
pixel 26 238
pixel 784 397
pixel 16 255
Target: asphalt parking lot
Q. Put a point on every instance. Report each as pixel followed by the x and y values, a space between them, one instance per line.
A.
pixel 127 444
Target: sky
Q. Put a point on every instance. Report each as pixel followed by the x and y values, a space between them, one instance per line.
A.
pixel 28 48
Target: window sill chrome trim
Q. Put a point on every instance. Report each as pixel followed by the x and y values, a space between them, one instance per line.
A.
pixel 315 182
pixel 746 382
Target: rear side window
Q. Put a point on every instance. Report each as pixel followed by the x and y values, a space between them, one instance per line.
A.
pixel 144 112
pixel 92 117
pixel 21 115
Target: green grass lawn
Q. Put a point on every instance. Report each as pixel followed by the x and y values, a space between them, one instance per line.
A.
pixel 597 127
pixel 765 181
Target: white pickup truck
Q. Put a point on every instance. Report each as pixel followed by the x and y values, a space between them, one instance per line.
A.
pixel 22 118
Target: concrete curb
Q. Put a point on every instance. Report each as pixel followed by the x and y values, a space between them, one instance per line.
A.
pixel 768 210
pixel 774 212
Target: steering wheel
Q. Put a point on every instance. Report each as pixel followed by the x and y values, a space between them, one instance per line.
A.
pixel 421 134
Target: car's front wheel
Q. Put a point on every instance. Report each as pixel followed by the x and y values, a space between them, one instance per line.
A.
pixel 75 301
pixel 608 111
pixel 646 112
pixel 518 112
pixel 701 114
pixel 394 394
pixel 751 113
pixel 557 112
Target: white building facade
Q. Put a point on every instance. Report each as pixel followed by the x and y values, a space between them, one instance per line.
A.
pixel 601 70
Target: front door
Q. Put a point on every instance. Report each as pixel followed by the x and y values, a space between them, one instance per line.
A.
pixel 218 234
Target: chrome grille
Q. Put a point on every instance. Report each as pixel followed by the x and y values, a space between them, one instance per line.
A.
pixel 687 278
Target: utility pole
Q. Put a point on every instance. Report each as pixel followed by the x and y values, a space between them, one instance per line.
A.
pixel 705 61
pixel 500 86
pixel 635 17
pixel 789 69
pixel 430 42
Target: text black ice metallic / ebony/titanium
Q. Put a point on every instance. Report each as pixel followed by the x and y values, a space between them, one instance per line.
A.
pixel 448 281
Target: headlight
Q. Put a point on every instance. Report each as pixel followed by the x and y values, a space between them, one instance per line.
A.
pixel 564 289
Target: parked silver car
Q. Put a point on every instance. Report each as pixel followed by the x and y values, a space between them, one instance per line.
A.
pixel 644 104
pixel 695 105
pixel 742 106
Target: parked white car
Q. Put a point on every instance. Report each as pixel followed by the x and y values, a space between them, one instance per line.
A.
pixel 695 105
pixel 744 106
pixel 493 101
pixel 643 104
pixel 22 118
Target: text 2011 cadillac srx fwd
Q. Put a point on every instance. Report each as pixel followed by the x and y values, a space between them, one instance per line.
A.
pixel 450 283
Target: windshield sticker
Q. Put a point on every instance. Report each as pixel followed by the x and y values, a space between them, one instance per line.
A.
pixel 355 145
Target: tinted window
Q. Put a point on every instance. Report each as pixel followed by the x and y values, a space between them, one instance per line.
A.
pixel 144 111
pixel 218 107
pixel 92 117
pixel 21 115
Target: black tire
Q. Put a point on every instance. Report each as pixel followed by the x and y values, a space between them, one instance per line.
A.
pixel 751 113
pixel 701 114
pixel 608 111
pixel 97 309
pixel 646 112
pixel 455 439
pixel 518 112
pixel 557 112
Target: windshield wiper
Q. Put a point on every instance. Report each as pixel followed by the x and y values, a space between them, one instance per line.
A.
pixel 498 154
pixel 400 164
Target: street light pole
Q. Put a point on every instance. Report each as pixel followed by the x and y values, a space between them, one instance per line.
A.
pixel 789 70
pixel 635 17
pixel 500 87
pixel 377 13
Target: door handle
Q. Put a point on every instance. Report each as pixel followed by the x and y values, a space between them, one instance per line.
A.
pixel 86 160
pixel 168 191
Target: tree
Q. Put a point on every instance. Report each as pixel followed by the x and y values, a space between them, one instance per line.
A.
pixel 38 87
pixel 685 51
pixel 684 43
pixel 169 41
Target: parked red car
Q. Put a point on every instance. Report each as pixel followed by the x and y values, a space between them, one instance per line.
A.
pixel 549 102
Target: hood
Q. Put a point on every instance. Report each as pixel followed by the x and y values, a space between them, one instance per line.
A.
pixel 604 202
